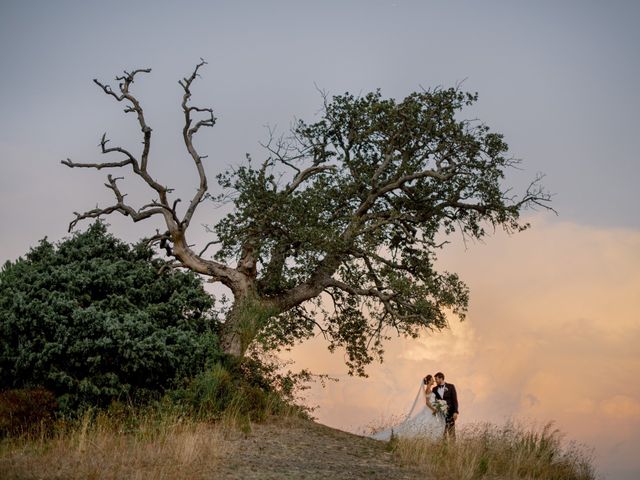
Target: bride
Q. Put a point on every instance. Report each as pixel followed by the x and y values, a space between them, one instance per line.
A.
pixel 425 423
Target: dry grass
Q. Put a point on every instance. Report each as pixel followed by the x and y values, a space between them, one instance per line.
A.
pixel 513 451
pixel 170 447
pixel 183 436
pixel 163 444
pixel 98 447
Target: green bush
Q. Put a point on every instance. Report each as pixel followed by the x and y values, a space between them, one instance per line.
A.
pixel 208 393
pixel 245 388
pixel 26 410
pixel 93 319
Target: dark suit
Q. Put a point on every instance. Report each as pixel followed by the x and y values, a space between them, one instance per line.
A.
pixel 451 397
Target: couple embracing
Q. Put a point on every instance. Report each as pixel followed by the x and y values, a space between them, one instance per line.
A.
pixel 442 394
pixel 437 417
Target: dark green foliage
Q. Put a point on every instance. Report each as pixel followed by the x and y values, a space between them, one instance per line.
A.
pixel 24 411
pixel 93 319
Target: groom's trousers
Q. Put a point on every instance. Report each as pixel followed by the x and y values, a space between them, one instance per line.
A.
pixel 450 428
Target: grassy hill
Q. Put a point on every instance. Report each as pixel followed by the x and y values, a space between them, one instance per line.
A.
pixel 282 447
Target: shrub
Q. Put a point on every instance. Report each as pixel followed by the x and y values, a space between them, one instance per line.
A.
pixel 246 388
pixel 93 319
pixel 26 410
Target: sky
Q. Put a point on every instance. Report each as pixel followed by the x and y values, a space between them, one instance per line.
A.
pixel 553 326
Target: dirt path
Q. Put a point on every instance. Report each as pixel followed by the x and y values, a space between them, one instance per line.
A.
pixel 301 449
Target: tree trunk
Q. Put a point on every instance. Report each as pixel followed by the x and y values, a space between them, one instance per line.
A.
pixel 230 340
pixel 243 323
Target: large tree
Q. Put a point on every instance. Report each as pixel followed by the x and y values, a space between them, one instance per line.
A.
pixel 336 229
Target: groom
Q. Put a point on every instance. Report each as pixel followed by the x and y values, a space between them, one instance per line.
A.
pixel 447 392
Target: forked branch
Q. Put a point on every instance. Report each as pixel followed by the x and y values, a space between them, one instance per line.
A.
pixel 120 206
pixel 188 131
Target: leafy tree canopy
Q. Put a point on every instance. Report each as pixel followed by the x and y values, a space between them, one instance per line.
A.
pixel 353 206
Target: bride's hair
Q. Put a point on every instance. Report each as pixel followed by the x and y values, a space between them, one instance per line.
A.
pixel 427 379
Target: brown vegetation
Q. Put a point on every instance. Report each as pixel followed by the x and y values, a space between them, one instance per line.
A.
pixel 285 447
pixel 170 446
pixel 26 408
pixel 98 448
pixel 510 452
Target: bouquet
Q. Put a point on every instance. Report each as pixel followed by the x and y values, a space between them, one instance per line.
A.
pixel 441 407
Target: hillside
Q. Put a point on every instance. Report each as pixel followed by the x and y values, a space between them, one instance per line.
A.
pixel 281 448
pixel 294 448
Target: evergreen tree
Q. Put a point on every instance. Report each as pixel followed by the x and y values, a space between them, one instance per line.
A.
pixel 93 319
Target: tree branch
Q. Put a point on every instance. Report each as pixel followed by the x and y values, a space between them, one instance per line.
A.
pixel 367 292
pixel 187 133
pixel 305 175
pixel 212 242
pixel 120 206
pixel 139 168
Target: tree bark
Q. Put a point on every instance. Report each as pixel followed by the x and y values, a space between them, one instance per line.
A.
pixel 229 340
pixel 244 321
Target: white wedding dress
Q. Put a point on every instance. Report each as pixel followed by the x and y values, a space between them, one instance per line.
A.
pixel 423 424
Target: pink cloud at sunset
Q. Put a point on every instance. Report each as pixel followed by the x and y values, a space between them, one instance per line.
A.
pixel 552 334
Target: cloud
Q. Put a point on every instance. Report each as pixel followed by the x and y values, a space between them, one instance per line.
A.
pixel 551 334
pixel 622 407
pixel 442 346
pixel 584 406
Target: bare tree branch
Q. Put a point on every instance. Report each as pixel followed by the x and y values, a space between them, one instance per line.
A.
pixel 187 133
pixel 139 168
pixel 536 195
pixel 125 81
pixel 212 242
pixel 174 239
pixel 120 206
pixel 157 238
